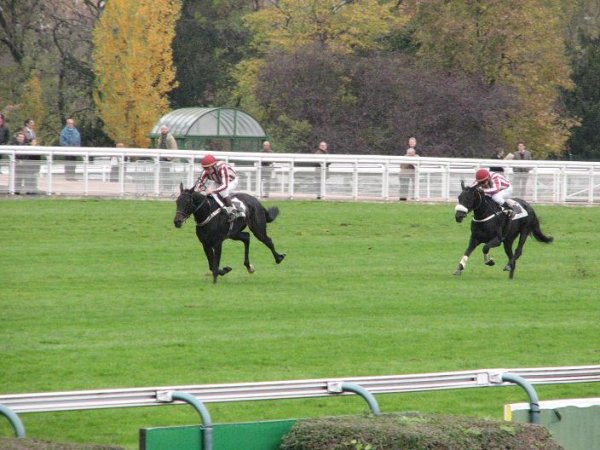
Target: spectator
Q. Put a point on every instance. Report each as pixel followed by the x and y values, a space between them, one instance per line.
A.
pixel 322 150
pixel 407 172
pixel 26 169
pixel 115 162
pixel 321 169
pixel 165 139
pixel 499 154
pixel 521 174
pixel 267 171
pixel 4 131
pixel 30 136
pixel 70 137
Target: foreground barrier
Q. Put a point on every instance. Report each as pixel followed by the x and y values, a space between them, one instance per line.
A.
pixel 199 395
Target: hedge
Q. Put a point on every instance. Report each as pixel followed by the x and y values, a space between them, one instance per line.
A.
pixel 32 444
pixel 415 432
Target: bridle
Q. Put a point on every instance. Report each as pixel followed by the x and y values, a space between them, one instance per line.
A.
pixel 189 206
pixel 479 198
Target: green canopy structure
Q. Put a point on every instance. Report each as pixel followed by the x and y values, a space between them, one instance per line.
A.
pixel 218 129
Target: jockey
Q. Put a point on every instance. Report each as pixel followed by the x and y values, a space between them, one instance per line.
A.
pixel 224 181
pixel 496 186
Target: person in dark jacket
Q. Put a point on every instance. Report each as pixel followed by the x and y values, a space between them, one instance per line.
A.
pixel 4 131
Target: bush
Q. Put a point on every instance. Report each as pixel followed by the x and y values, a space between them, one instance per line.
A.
pixel 31 444
pixel 415 432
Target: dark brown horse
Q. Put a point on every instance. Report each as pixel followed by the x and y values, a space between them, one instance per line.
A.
pixel 213 227
pixel 492 227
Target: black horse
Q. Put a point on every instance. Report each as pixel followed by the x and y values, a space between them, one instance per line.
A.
pixel 213 227
pixel 491 226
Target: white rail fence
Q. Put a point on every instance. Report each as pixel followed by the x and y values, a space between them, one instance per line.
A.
pixel 218 393
pixel 158 173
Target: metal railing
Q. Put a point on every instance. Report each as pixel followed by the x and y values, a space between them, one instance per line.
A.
pixel 295 389
pixel 158 173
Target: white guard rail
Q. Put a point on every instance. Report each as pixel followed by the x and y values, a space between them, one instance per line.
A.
pixel 157 173
pixel 216 393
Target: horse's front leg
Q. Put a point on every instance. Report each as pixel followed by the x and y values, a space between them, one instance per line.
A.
pixel 487 259
pixel 463 261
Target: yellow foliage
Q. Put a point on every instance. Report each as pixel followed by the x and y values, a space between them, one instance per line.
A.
pixel 32 104
pixel 513 42
pixel 343 27
pixel 133 62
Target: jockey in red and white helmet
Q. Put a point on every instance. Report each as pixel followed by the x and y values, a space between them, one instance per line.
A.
pixel 219 178
pixel 498 188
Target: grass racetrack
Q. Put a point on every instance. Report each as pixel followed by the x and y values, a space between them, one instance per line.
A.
pixel 107 293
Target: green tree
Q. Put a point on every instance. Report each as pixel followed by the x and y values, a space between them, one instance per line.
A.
pixel 584 101
pixel 210 40
pixel 519 43
pixel 134 68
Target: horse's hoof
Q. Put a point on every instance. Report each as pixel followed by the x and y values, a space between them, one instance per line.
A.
pixel 251 269
pixel 226 270
pixel 279 258
pixel 491 262
pixel 507 268
pixel 457 272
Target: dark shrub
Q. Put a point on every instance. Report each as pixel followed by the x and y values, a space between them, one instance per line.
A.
pixel 415 432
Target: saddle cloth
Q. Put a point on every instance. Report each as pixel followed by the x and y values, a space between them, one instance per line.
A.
pixel 522 214
pixel 239 205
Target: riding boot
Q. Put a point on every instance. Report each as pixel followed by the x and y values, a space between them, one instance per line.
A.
pixel 508 210
pixel 232 212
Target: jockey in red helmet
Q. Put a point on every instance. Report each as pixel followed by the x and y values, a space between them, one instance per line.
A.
pixel 498 188
pixel 219 178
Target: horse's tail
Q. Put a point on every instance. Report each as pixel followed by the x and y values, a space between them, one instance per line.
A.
pixel 537 233
pixel 271 213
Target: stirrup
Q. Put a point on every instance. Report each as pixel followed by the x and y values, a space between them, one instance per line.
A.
pixel 509 212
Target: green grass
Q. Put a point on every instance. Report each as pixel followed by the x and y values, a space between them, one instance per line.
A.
pixel 107 294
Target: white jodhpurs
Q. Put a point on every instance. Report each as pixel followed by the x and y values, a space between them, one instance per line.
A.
pixel 230 189
pixel 502 196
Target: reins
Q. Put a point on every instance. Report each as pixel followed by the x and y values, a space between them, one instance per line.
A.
pixel 490 217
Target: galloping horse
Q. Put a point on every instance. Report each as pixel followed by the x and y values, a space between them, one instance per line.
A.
pixel 491 227
pixel 213 227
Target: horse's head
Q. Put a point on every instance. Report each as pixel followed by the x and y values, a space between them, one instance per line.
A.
pixel 468 200
pixel 185 205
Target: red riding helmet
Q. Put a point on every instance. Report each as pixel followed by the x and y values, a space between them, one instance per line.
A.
pixel 208 161
pixel 482 175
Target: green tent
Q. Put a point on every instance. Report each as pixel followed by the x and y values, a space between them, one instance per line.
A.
pixel 218 129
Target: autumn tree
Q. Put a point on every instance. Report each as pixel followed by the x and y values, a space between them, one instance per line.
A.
pixel 133 64
pixel 343 27
pixel 370 104
pixel 32 106
pixel 518 43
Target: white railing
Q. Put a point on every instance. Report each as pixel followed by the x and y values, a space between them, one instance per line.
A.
pixel 218 393
pixel 158 173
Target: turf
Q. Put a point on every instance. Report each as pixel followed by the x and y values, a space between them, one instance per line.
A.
pixel 107 294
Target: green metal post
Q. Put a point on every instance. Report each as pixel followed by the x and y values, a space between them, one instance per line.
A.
pixel 534 403
pixel 357 389
pixel 207 425
pixel 14 421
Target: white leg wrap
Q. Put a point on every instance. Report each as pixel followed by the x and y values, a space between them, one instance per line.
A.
pixel 486 257
pixel 463 261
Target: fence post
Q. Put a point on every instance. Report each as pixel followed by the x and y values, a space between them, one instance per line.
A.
pixel 534 404
pixel 169 396
pixel 14 421
pixel 336 387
